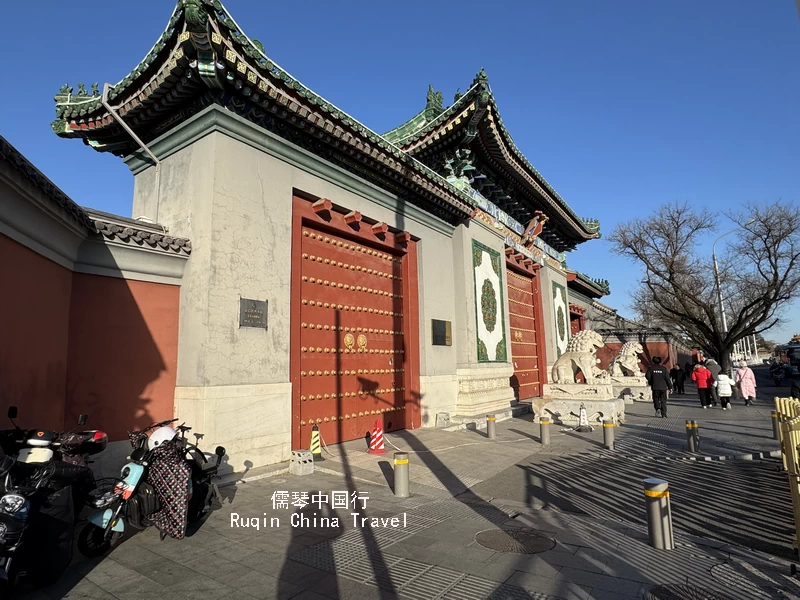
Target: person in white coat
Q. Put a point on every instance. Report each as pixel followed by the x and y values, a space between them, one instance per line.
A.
pixel 724 387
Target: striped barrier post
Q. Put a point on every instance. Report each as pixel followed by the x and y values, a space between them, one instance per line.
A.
pixel 659 514
pixel 544 431
pixel 316 447
pixel 491 426
pixel 401 474
pixel 608 434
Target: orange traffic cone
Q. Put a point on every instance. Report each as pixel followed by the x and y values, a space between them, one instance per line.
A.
pixel 376 439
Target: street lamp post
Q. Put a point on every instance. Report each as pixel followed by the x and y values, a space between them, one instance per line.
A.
pixel 719 285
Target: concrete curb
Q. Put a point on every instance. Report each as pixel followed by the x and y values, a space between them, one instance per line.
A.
pixel 713 458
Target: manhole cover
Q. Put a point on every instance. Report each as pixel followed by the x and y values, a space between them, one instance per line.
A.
pixel 682 592
pixel 518 540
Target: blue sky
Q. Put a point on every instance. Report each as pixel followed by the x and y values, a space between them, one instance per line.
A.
pixel 622 105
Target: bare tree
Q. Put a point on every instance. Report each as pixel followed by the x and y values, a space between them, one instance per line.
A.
pixel 759 271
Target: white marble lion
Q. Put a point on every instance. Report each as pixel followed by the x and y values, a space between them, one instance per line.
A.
pixel 580 356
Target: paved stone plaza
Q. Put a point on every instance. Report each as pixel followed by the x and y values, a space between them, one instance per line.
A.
pixel 732 519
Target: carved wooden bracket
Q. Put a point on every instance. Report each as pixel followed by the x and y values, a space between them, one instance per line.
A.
pixel 380 228
pixel 352 217
pixel 322 205
pixel 403 238
pixel 509 251
pixel 527 262
pixel 519 257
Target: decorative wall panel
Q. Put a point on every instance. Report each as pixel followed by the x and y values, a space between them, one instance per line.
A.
pixel 491 327
pixel 560 318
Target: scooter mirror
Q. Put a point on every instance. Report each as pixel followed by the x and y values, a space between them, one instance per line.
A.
pixel 12 412
pixel 220 451
pixel 82 419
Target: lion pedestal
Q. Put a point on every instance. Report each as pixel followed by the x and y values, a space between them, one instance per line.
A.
pixel 564 396
pixel 636 387
pixel 626 377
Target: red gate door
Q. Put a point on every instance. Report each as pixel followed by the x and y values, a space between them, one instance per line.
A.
pixel 527 353
pixel 352 363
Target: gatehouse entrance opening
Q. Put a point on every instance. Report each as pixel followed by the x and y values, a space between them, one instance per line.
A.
pixel 525 316
pixel 355 325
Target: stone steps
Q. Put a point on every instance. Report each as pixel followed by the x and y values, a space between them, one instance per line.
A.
pixel 460 422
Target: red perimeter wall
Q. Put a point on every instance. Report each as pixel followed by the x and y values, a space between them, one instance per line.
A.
pixel 34 329
pixel 73 343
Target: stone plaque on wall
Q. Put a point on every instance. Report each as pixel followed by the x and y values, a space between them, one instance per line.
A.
pixel 442 332
pixel 252 313
pixel 491 328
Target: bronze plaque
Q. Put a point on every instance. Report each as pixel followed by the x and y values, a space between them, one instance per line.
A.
pixel 442 332
pixel 252 313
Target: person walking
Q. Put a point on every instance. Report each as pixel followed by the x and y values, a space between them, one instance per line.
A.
pixel 715 369
pixel 795 389
pixel 746 380
pixel 658 379
pixel 704 380
pixel 678 377
pixel 688 367
pixel 724 388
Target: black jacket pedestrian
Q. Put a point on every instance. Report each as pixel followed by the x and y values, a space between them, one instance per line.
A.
pixel 678 375
pixel 658 378
pixel 795 388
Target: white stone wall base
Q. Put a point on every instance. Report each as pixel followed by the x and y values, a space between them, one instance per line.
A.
pixel 252 422
pixel 569 391
pixel 567 412
pixel 439 394
pixel 481 391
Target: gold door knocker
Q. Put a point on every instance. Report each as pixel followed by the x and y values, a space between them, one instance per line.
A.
pixel 362 342
pixel 349 341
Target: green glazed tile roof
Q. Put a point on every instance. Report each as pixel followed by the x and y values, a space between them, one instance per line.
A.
pixel 419 126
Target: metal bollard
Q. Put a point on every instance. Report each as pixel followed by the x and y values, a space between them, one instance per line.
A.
pixel 401 474
pixel 608 434
pixel 776 427
pixel 659 514
pixel 491 426
pixel 690 436
pixel 544 431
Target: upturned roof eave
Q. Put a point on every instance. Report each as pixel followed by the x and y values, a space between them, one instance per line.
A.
pixel 586 285
pixel 91 112
pixel 415 142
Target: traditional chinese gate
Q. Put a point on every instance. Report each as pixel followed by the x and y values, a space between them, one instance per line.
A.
pixel 525 316
pixel 355 339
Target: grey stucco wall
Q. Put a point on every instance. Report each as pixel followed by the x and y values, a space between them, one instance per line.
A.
pixel 580 300
pixel 550 275
pixel 233 199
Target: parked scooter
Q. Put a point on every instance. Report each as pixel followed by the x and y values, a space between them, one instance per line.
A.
pixel 37 504
pixel 203 493
pixel 141 498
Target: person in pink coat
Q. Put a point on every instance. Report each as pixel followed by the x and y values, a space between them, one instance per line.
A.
pixel 746 380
